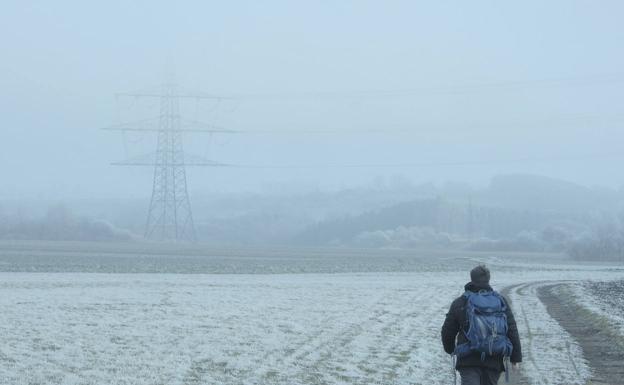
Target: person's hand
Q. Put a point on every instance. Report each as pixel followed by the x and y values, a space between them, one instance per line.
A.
pixel 515 366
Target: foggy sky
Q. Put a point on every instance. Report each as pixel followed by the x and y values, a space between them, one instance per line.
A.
pixel 466 90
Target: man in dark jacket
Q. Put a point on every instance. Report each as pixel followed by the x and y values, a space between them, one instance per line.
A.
pixel 474 370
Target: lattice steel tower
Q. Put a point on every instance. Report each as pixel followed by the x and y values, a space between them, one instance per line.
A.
pixel 169 217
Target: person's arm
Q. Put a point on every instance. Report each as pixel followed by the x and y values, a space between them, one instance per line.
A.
pixel 450 328
pixel 514 337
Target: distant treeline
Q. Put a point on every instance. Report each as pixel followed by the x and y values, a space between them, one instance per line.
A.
pixel 458 220
pixel 514 213
pixel 59 223
pixel 439 223
pixel 605 241
pixel 517 213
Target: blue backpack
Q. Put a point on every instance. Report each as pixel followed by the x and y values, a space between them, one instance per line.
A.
pixel 487 331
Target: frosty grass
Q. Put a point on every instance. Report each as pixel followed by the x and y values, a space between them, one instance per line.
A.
pixel 347 328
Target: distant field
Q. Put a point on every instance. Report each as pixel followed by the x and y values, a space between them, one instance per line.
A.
pixel 158 258
pixel 322 327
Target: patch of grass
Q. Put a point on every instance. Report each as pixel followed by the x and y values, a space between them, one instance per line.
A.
pixel 600 323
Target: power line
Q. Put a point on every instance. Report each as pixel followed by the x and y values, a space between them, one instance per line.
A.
pixel 485 162
pixel 607 79
pixel 170 216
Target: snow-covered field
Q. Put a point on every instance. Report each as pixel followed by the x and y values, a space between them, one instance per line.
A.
pixel 344 328
pixel 605 299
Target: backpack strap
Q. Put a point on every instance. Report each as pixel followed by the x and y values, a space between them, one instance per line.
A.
pixel 462 350
pixel 506 360
pixel 502 299
pixel 466 324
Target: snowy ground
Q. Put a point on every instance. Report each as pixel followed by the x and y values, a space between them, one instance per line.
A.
pixel 551 355
pixel 605 299
pixel 344 328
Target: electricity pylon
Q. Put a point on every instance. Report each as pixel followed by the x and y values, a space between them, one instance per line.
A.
pixel 170 217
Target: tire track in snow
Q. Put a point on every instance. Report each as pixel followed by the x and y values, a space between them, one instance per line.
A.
pixel 393 346
pixel 553 360
pixel 393 340
pixel 374 347
pixel 522 291
pixel 332 333
pixel 598 340
pixel 520 378
pixel 339 345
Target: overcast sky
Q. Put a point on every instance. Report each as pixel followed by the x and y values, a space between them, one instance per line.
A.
pixel 433 90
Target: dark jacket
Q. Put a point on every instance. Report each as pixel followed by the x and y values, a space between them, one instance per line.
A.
pixel 456 325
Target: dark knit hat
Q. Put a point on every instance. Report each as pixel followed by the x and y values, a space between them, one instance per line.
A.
pixel 480 275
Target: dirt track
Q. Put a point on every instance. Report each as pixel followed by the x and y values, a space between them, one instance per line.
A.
pixel 602 347
pixel 515 377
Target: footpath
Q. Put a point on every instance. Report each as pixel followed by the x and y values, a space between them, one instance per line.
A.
pixel 603 347
pixel 515 377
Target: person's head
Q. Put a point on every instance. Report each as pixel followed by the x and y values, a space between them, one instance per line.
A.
pixel 480 275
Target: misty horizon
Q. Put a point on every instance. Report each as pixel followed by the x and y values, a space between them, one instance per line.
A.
pixel 327 192
pixel 395 93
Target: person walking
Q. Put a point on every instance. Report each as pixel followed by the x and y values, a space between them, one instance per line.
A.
pixel 480 332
